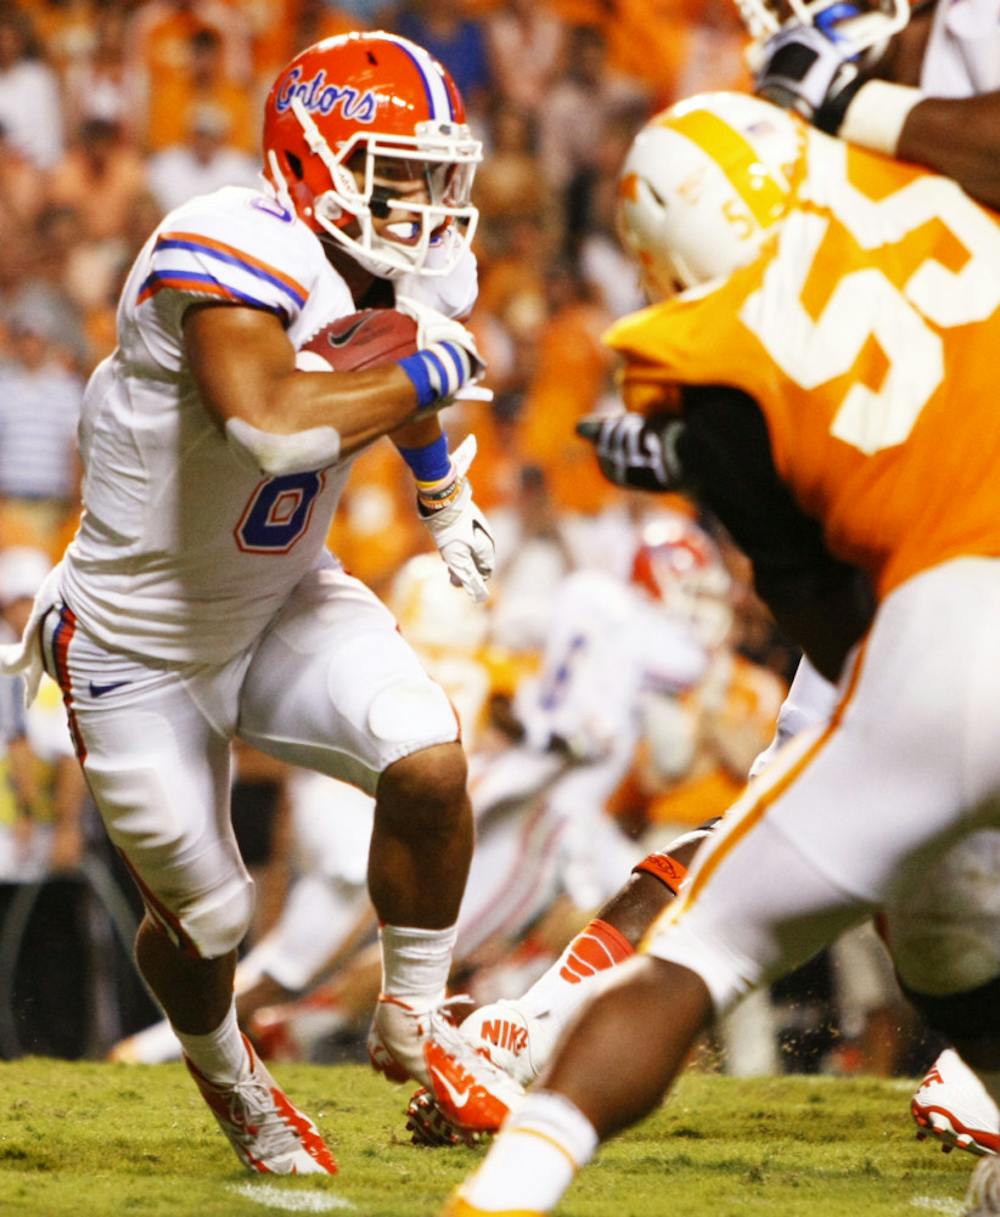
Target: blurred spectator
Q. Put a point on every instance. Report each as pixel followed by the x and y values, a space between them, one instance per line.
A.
pixel 30 109
pixel 715 47
pixel 525 42
pixel 101 176
pixel 458 41
pixel 20 184
pixel 605 266
pixel 203 163
pixel 40 291
pixel 574 120
pixel 39 412
pixel 508 184
pixel 43 927
pixel 101 83
pixel 568 383
pixel 203 81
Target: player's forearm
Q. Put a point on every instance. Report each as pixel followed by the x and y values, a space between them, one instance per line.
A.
pixel 360 406
pixel 958 138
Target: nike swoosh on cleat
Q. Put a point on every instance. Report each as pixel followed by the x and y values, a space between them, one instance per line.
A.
pixel 100 690
pixel 459 1098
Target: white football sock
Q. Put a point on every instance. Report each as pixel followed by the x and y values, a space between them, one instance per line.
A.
pixel 544 1141
pixel 416 962
pixel 559 992
pixel 221 1055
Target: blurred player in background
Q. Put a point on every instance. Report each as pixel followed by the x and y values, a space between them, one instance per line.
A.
pixel 197 602
pixel 819 419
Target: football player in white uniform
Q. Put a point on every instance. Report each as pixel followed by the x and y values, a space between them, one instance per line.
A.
pixel 197 602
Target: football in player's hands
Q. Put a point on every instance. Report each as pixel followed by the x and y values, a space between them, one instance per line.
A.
pixel 372 338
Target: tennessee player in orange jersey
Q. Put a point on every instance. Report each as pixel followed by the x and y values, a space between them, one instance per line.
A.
pixel 823 378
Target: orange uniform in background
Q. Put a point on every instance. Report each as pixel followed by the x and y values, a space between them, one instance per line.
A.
pixel 862 331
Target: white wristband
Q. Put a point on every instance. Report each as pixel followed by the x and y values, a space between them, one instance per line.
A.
pixel 875 117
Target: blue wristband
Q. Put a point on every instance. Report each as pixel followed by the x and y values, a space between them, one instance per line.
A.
pixel 415 366
pixel 430 463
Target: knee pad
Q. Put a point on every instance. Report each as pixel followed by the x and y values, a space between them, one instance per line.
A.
pixel 960 1016
pixel 217 922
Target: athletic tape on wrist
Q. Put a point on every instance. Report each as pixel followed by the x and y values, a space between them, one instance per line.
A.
pixel 437 371
pixel 877 114
pixel 669 871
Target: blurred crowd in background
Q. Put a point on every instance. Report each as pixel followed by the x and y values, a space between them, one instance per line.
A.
pixel 112 113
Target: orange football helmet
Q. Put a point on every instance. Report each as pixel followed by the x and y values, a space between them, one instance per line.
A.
pixel 678 564
pixel 366 127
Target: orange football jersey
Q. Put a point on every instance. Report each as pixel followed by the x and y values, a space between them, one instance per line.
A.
pixel 868 330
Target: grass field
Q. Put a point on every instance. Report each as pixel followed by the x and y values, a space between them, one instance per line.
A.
pixel 94 1140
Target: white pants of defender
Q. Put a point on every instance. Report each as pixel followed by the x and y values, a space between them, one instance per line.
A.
pixel 329 685
pixel 855 817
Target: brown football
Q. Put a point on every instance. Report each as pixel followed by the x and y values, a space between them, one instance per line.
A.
pixel 369 339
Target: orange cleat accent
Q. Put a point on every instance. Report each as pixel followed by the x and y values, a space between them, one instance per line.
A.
pixel 952 1106
pixel 264 1127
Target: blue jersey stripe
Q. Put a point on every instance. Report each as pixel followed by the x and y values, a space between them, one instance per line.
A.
pixel 184 280
pixel 232 260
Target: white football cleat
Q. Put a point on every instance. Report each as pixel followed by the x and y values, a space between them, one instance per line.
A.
pixel 952 1105
pixel 515 1041
pixel 267 1131
pixel 982 1199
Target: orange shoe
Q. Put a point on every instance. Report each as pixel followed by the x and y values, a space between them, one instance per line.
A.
pixel 268 1133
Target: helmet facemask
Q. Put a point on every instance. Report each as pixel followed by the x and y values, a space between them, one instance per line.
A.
pixel 372 177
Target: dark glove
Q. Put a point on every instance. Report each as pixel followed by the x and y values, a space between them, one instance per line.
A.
pixel 636 451
pixel 810 72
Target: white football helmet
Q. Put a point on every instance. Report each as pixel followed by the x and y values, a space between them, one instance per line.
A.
pixel 702 186
pixel 432 613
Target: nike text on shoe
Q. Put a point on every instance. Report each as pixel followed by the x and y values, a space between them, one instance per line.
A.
pixel 519 1043
pixel 952 1106
pixel 267 1131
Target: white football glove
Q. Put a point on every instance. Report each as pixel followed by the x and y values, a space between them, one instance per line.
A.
pixel 434 327
pixel 461 531
pixel 816 74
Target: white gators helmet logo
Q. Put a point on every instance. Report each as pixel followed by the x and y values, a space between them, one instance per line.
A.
pixel 703 185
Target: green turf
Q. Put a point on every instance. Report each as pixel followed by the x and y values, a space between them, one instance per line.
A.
pixel 94 1140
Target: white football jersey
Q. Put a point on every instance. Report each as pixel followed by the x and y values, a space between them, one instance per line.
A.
pixel 607 646
pixel 184 553
pixel 963 51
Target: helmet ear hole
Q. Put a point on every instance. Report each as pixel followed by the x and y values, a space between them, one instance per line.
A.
pixel 294 164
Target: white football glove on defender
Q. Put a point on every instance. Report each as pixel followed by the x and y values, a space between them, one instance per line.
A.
pixel 461 531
